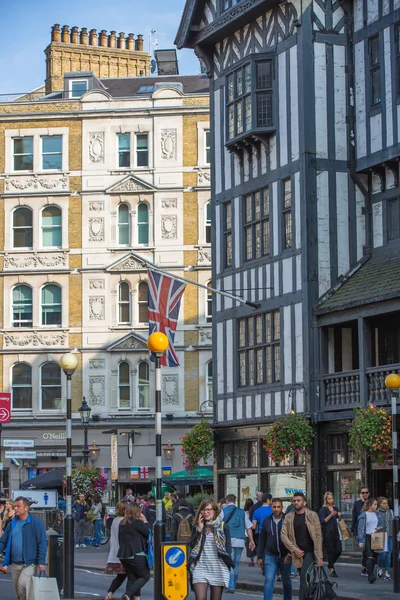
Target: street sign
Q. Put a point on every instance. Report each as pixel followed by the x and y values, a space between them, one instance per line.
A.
pixel 175 574
pixel 20 454
pixel 42 498
pixel 5 407
pixel 18 444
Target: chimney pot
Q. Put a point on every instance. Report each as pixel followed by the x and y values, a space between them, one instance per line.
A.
pixel 55 33
pixel 93 37
pixel 130 42
pixel 112 40
pixel 139 43
pixel 74 35
pixel 65 34
pixel 121 40
pixel 84 36
pixel 103 38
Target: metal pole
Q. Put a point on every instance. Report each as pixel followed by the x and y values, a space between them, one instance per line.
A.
pixel 68 521
pixel 159 527
pixel 395 530
pixel 85 446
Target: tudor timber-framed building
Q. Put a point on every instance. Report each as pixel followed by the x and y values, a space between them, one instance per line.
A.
pixel 305 191
pixel 103 170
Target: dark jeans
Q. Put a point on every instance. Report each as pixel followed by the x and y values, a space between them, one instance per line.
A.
pixel 117 582
pixel 308 559
pixel 138 573
pixel 370 557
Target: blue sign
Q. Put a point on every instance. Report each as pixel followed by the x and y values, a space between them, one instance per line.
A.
pixel 175 557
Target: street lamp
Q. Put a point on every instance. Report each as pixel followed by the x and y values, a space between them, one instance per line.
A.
pixel 158 344
pixel 169 451
pixel 94 452
pixel 85 411
pixel 392 382
pixel 69 363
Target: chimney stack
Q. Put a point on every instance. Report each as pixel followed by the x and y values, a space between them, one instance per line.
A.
pixel 112 40
pixel 130 42
pixel 65 34
pixel 84 40
pixel 103 38
pixel 75 35
pixel 139 43
pixel 55 33
pixel 93 37
pixel 121 40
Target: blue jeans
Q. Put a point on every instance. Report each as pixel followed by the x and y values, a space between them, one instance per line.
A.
pixel 233 577
pixel 97 532
pixel 271 566
pixel 384 557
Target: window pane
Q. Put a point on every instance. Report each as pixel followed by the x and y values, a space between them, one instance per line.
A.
pixel 23 145
pixel 230 88
pixel 142 158
pixel 124 316
pixel 124 396
pixel 247 78
pixel 264 75
pixel 258 329
pixel 23 163
pixel 78 88
pixel 51 374
pixel 374 50
pixel 21 374
pixel 257 205
pixel 51 305
pixel 51 398
pixel 376 86
pixel 22 398
pixel 22 217
pixel 51 226
pixel 143 234
pixel 260 366
pixel 22 306
pixel 22 225
pixel 239 83
pixel 288 229
pixel 52 161
pixel 266 237
pixel 250 366
pixel 250 331
pixel 21 386
pixel 124 372
pixel 228 215
pixel 142 141
pixel 239 117
pixel 52 144
pixel 264 109
pixel 394 219
pixel 266 202
pixel 124 145
pixel 231 121
pixel 124 292
pixel 143 227
pixel 277 325
pixel 228 239
pixel 249 243
pixel 249 208
pixel 277 363
pixel 242 332
pixel 143 373
pixel 248 113
pixel 143 292
pixel 242 369
pixel 257 232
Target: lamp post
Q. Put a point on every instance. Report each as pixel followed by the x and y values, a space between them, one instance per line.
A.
pixel 68 363
pixel 94 452
pixel 392 382
pixel 158 344
pixel 85 411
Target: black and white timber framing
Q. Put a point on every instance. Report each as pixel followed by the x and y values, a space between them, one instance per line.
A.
pixel 335 136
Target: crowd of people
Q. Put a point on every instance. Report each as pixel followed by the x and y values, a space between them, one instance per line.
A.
pixel 286 544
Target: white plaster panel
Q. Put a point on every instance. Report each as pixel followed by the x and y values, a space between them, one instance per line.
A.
pixel 217 139
pixel 388 87
pixel 229 409
pixel 337 15
pixel 297 210
pixel 239 409
pixel 287 402
pixel 358 15
pixel 220 411
pixel 376 132
pixel 261 284
pixel 229 356
pixel 321 110
pixel 268 282
pixel 278 403
pixel 275 223
pixel 217 247
pixel 227 168
pixel 294 103
pixel 361 135
pixel 282 91
pixel 287 344
pixel 228 286
pixel 257 407
pixel 263 160
pixel 287 275
pixel 236 247
pixel 298 272
pixel 267 405
pixel 396 4
pixel 249 412
pixel 253 285
pixel 386 7
pixel 372 10
pixel 277 287
pixel 237 169
pixel 360 223
pixel 342 217
pixel 273 160
pixel 220 358
pixel 324 276
pixel 218 296
pixel 339 54
pixel 377 224
pixel 298 333
pixel 246 167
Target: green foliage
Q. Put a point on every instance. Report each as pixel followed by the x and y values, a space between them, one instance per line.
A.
pixel 88 481
pixel 197 498
pixel 291 435
pixel 371 430
pixel 197 444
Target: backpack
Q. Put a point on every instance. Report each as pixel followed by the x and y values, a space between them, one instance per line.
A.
pixel 184 529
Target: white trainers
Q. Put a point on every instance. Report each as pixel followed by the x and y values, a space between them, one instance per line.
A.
pixel 387 577
pixel 379 574
pixel 76 545
pixel 83 546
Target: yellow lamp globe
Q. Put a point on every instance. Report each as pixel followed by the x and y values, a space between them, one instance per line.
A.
pixel 69 362
pixel 392 381
pixel 158 342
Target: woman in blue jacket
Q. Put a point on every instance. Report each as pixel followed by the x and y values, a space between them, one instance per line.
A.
pixel 368 523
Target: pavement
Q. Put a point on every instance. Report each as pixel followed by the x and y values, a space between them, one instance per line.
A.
pixel 351 585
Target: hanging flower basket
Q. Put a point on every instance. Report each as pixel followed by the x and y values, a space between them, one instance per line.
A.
pixel 88 481
pixel 371 430
pixel 290 436
pixel 197 444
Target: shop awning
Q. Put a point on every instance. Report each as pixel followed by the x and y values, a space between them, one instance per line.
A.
pixel 47 481
pixel 200 476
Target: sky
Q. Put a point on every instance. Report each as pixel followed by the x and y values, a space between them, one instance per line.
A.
pixel 25 28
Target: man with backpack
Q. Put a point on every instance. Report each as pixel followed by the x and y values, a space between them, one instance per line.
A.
pixel 181 526
pixel 239 524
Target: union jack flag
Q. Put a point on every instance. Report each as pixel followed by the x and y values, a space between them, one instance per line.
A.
pixel 165 295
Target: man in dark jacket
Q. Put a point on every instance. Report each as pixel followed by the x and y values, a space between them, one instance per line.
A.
pixel 272 554
pixel 79 511
pixel 183 512
pixel 357 508
pixel 25 545
pixel 150 512
pixel 179 500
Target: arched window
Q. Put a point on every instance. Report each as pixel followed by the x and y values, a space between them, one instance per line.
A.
pixel 51 304
pixel 123 225
pixel 208 223
pixel 209 391
pixel 143 302
pixel 124 305
pixel 124 386
pixel 50 390
pixel 143 223
pixel 22 387
pixel 209 303
pixel 143 396
pixel 51 227
pixel 22 228
pixel 22 306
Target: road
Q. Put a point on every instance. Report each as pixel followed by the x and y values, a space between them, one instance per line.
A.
pixel 94 584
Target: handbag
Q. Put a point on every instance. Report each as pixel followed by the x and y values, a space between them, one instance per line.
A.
pixel 378 541
pixel 319 586
pixel 344 532
pixel 91 516
pixel 43 588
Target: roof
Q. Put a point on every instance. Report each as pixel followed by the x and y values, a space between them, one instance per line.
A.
pixel 123 87
pixel 377 280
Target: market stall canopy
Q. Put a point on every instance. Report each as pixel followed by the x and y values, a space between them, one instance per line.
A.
pixel 47 481
pixel 200 476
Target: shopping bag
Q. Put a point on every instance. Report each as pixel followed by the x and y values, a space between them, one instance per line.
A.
pixel 43 588
pixel 319 586
pixel 344 532
pixel 378 541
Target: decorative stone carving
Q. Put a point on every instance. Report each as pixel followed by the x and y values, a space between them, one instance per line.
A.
pixel 36 182
pixel 96 363
pixel 169 203
pixel 130 264
pixel 168 144
pixel 96 284
pixel 170 390
pixel 96 147
pixel 131 184
pixel 204 255
pixel 204 176
pixel 96 308
pixel 95 205
pixel 131 343
pixel 96 390
pixel 169 227
pixel 35 339
pixel 96 229
pixel 205 335
pixel 35 260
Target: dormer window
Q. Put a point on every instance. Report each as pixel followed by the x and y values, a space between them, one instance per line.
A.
pixel 78 88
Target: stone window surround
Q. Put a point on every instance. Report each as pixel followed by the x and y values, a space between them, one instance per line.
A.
pixel 202 127
pixel 133 130
pixel 203 200
pixel 132 204
pixel 204 277
pixel 36 133
pixel 134 382
pixel 133 281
